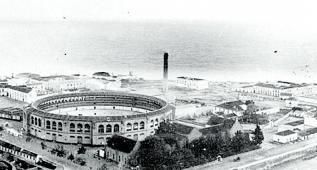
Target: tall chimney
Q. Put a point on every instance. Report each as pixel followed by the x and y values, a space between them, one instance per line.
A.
pixel 165 72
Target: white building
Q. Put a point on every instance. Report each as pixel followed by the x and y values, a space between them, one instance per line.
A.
pixel 192 83
pixel 285 136
pixel 292 126
pixel 21 93
pixel 280 89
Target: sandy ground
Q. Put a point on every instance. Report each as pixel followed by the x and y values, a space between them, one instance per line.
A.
pixel 299 164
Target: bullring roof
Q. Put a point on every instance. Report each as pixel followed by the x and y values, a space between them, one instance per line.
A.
pixel 33 108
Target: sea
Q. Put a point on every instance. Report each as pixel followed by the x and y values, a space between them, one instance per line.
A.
pixel 217 51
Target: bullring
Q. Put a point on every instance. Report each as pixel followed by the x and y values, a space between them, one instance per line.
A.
pixel 93 117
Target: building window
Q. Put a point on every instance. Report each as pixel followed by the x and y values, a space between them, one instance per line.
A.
pixel 152 123
pixel 135 126
pixel 101 129
pixel 129 127
pixel 36 121
pixel 48 133
pixel 72 127
pixel 54 125
pixel 108 128
pixel 142 125
pixel 79 128
pixel 156 122
pixel 116 128
pixel 87 137
pixel 72 136
pixel 87 128
pixel 40 122
pixel 60 126
pixel 32 120
pixel 48 124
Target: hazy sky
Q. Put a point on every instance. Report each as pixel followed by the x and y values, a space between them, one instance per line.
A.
pixel 272 21
pixel 273 11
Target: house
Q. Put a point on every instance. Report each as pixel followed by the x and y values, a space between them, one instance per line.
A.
pixel 293 126
pixel 285 136
pixel 279 89
pixel 192 83
pixel 215 125
pixel 222 125
pixel 236 107
pixel 308 133
pixel 21 93
pixel 189 132
pixel 119 149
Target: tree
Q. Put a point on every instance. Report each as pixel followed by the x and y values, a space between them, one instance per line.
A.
pixel 59 150
pixel 166 127
pixel 183 158
pixel 237 142
pixel 71 157
pixel 152 153
pixel 258 136
pixel 81 150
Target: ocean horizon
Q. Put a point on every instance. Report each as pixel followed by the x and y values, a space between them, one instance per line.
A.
pixel 217 51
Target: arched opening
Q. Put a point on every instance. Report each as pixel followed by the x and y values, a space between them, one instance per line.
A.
pixel 135 126
pixel 129 127
pixel 40 122
pixel 60 126
pixel 54 125
pixel 32 120
pixel 48 124
pixel 79 127
pixel 72 127
pixel 87 128
pixel 101 129
pixel 156 122
pixel 36 121
pixel 108 128
pixel 142 125
pixel 116 128
pixel 152 123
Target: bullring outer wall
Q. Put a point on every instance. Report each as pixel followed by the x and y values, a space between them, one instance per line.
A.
pixel 95 130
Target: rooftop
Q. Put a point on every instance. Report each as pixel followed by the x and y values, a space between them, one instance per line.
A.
pixel 308 132
pixel 105 74
pixel 23 89
pixel 190 78
pixel 183 129
pixel 285 133
pixel 233 105
pixel 295 123
pixel 121 143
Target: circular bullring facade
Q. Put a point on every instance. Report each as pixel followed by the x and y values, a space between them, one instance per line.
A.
pixel 93 117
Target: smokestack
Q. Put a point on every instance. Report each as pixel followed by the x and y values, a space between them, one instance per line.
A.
pixel 165 72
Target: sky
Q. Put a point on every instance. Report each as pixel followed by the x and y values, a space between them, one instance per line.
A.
pixel 280 20
pixel 272 11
